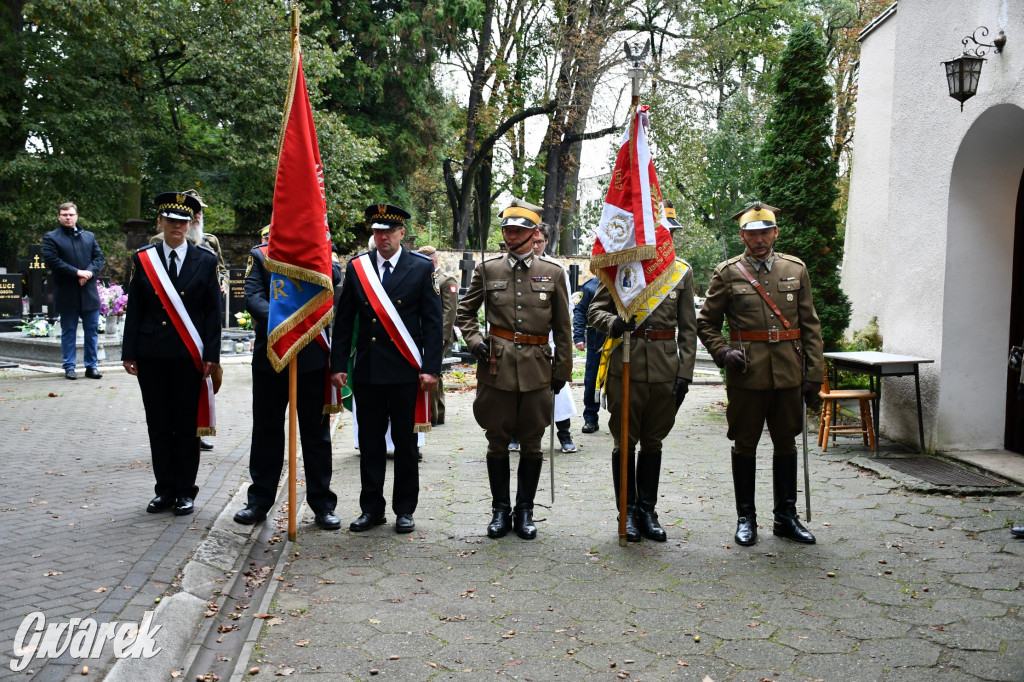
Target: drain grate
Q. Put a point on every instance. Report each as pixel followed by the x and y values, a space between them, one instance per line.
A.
pixel 941 473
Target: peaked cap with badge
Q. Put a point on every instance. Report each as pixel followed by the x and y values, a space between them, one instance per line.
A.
pixel 757 216
pixel 521 213
pixel 385 216
pixel 177 205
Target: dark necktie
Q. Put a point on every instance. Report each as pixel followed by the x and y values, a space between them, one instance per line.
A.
pixel 173 271
pixel 387 272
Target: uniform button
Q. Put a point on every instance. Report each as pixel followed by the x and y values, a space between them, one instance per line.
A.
pixel 771 315
pixel 519 321
pixel 164 323
pixel 519 293
pixel 519 346
pixel 519 307
pixel 373 338
pixel 399 302
pixel 375 319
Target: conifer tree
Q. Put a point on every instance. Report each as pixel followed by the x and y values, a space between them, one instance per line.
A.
pixel 797 172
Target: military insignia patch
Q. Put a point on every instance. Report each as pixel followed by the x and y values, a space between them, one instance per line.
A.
pixel 454 289
pixel 436 281
pixel 789 297
pixel 543 296
pixel 248 266
pixel 673 295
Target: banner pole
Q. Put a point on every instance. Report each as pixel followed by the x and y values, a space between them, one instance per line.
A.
pixel 293 374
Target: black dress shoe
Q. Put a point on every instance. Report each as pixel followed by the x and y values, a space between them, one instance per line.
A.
pixel 790 527
pixel 327 520
pixel 92 373
pixel 250 515
pixel 365 522
pixel 70 374
pixel 589 427
pixel 404 524
pixel 205 444
pixel 160 503
pixel 183 506
pixel 1017 531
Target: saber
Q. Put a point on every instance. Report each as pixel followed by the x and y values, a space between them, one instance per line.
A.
pixel 551 448
pixel 807 472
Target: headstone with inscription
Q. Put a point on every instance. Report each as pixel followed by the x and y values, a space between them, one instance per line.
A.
pixel 10 301
pixel 236 294
pixel 34 269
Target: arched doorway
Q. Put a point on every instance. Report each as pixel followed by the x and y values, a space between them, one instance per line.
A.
pixel 980 281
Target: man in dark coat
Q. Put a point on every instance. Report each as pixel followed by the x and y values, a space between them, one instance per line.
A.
pixel 172 343
pixel 585 335
pixel 74 257
pixel 269 401
pixel 392 293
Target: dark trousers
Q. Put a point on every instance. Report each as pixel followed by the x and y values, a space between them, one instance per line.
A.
pixel 170 394
pixel 591 406
pixel 266 456
pixel 379 403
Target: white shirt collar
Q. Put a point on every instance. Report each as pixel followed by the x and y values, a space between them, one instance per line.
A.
pixel 181 250
pixel 393 260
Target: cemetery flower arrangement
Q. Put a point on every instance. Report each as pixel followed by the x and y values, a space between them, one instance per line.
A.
pixel 36 327
pixel 113 300
pixel 244 319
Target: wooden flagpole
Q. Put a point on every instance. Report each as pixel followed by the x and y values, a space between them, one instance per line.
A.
pixel 293 372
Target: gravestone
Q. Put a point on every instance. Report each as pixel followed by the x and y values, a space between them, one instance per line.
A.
pixel 34 269
pixel 466 265
pixel 236 294
pixel 10 301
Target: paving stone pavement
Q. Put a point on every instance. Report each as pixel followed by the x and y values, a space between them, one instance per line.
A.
pixel 901 585
pixel 75 538
pixel 924 586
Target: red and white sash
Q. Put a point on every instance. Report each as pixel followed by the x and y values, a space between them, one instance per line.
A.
pixel 396 329
pixel 207 419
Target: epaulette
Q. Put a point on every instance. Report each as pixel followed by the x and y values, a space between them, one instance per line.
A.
pixel 495 256
pixel 550 259
pixel 143 248
pixel 204 246
pixel 790 258
pixel 734 259
pixel 684 262
pixel 421 255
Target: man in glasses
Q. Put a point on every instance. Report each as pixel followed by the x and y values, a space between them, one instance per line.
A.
pixel 525 299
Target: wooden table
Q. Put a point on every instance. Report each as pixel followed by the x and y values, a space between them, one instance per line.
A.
pixel 877 365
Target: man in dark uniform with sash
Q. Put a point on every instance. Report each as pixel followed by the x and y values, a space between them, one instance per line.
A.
pixel 661 369
pixel 772 355
pixel 517 374
pixel 392 293
pixel 172 344
pixel 269 403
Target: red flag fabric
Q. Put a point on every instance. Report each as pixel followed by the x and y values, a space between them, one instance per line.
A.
pixel 299 252
pixel 633 252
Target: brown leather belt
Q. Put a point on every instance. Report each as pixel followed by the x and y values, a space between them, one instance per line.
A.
pixel 771 336
pixel 518 337
pixel 655 334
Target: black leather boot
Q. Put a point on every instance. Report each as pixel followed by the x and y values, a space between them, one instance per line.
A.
pixel 648 471
pixel 787 524
pixel 501 505
pixel 632 532
pixel 744 470
pixel 527 478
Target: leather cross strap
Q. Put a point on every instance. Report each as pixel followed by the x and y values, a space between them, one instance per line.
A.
pixel 767 299
pixel 518 337
pixel 771 336
pixel 654 334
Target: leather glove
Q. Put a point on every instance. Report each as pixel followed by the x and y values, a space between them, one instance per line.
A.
pixel 679 390
pixel 619 325
pixel 733 359
pixel 557 385
pixel 482 351
pixel 810 390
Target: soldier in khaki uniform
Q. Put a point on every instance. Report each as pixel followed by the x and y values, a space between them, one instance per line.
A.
pixel 765 357
pixel 449 288
pixel 526 298
pixel 661 369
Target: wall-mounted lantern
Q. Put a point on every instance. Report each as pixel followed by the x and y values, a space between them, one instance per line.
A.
pixel 964 72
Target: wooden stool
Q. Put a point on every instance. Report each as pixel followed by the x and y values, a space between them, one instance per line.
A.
pixel 830 408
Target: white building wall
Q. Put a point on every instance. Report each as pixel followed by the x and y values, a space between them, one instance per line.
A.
pixel 935 268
